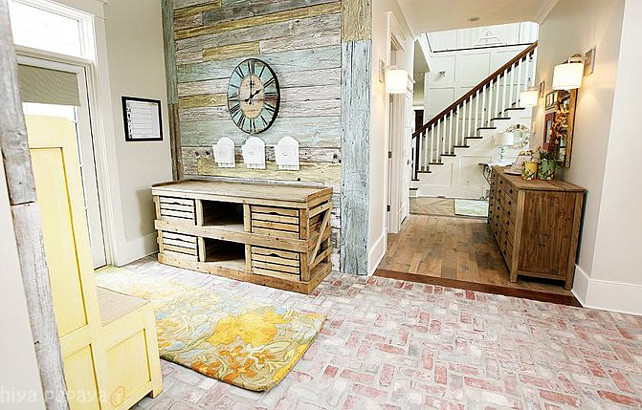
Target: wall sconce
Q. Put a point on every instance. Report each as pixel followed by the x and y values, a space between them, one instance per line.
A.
pixel 529 98
pixel 396 81
pixel 569 75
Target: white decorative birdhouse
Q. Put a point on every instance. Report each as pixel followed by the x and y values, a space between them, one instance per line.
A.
pixel 287 154
pixel 224 153
pixel 254 153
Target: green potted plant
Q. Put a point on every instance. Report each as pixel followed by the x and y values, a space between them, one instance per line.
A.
pixel 547 165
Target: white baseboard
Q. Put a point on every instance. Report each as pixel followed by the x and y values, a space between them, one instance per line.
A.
pixel 376 253
pixel 607 295
pixel 132 250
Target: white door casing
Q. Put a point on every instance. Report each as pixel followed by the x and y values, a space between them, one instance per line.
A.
pixel 86 153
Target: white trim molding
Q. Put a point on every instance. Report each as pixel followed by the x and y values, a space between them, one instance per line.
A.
pixel 607 295
pixel 376 254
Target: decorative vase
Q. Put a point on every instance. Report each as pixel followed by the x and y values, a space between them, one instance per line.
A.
pixel 530 170
pixel 547 168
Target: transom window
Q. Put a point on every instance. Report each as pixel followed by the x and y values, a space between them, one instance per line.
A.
pixel 51 27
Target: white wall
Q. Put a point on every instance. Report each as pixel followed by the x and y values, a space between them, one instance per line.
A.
pixel 135 54
pixel 129 62
pixel 462 70
pixel 379 136
pixel 20 386
pixel 583 24
pixel 487 36
pixel 616 276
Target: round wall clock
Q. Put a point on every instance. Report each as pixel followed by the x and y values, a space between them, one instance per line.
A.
pixel 253 96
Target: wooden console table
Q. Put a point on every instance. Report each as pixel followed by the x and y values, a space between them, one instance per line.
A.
pixel 536 225
pixel 267 234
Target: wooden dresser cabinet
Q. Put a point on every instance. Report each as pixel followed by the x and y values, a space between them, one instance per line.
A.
pixel 536 225
pixel 268 234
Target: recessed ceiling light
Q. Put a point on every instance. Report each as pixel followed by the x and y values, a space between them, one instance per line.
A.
pixel 471 19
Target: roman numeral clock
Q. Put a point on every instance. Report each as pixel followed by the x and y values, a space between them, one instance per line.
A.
pixel 253 96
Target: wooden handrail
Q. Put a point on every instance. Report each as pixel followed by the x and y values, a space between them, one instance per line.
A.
pixel 506 68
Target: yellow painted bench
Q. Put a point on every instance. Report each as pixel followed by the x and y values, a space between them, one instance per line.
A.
pixel 129 338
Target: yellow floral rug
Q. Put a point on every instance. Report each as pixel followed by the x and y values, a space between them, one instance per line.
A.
pixel 238 341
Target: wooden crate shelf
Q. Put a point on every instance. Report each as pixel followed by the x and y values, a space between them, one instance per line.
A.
pixel 267 234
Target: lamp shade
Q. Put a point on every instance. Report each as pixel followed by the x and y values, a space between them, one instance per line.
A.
pixel 529 98
pixel 504 139
pixel 568 76
pixel 396 81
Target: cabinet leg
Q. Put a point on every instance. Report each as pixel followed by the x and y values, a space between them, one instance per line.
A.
pixel 513 277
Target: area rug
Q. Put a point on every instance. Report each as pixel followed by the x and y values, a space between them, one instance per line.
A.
pixel 237 341
pixel 467 207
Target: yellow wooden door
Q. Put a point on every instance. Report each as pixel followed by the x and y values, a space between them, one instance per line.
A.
pixel 54 154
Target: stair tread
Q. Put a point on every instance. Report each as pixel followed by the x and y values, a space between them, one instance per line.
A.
pixel 500 118
pixel 448 155
pixel 486 128
pixel 515 109
pixel 461 146
pixel 474 138
pixel 414 189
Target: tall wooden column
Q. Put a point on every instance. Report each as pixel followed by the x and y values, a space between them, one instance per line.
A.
pixel 172 89
pixel 356 41
pixel 26 221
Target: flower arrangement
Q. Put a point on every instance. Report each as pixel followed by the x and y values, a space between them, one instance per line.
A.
pixel 547 164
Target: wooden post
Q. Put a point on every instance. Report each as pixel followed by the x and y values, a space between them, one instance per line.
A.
pixel 26 221
pixel 356 46
pixel 172 89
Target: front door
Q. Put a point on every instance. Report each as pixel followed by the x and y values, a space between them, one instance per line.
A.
pixel 79 117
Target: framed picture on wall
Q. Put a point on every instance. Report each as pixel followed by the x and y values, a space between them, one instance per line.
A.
pixel 142 119
pixel 551 99
pixel 549 138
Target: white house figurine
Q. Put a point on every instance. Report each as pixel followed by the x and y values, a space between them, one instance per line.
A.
pixel 254 153
pixel 224 153
pixel 287 154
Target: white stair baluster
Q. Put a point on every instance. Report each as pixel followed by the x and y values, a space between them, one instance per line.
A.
pixel 484 113
pixel 512 85
pixel 477 116
pixel 520 68
pixel 464 113
pixel 421 147
pixel 498 97
pixel 432 145
pixel 450 133
pixel 457 119
pixel 471 110
pixel 489 104
pixel 444 135
pixel 504 91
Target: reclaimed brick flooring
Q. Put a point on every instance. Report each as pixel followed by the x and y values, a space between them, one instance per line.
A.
pixel 398 345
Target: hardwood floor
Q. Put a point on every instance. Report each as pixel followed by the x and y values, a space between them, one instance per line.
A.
pixel 432 206
pixel 459 251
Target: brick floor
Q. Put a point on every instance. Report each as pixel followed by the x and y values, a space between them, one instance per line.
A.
pixel 397 345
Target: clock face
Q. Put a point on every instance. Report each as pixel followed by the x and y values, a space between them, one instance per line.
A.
pixel 253 96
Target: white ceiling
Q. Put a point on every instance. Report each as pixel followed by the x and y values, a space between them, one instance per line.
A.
pixel 435 15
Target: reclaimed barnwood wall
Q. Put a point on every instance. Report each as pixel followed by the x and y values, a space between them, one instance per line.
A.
pixel 302 41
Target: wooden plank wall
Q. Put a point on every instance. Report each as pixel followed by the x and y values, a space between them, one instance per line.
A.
pixel 301 40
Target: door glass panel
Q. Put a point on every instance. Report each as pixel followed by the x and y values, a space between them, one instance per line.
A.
pixel 89 182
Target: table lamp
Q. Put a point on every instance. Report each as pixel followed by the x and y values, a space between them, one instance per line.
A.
pixel 503 140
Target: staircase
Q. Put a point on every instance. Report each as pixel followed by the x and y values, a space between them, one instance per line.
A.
pixel 473 117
